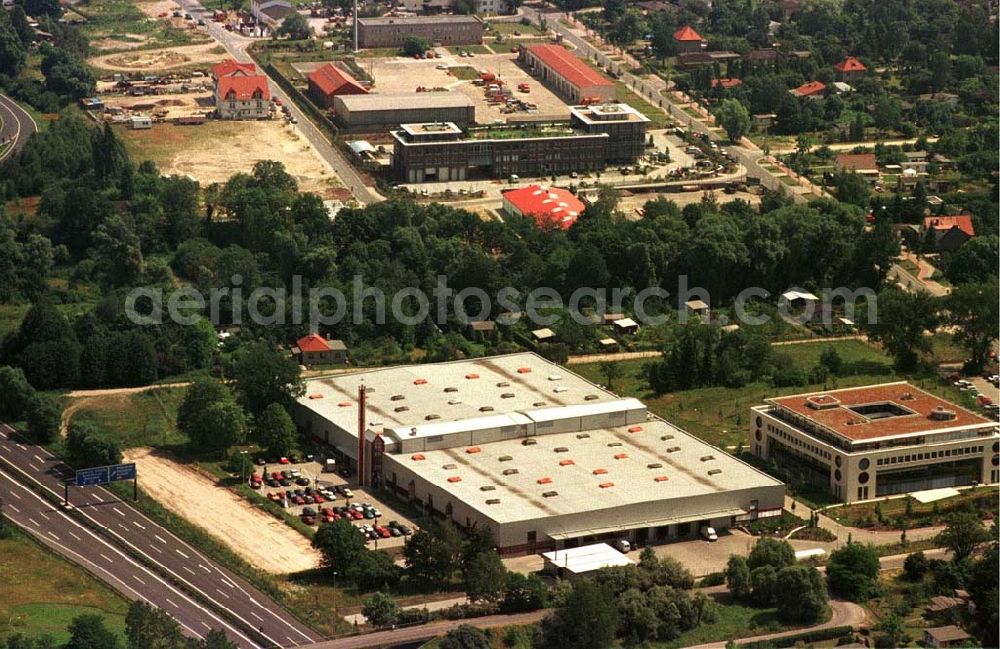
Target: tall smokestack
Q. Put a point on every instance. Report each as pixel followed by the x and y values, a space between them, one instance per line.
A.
pixel 361 434
pixel 355 26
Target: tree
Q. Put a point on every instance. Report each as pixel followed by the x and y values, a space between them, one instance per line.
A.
pixel 893 629
pixel 832 360
pixel 88 632
pixel 295 27
pixel 263 376
pixel 414 45
pixel 902 319
pixel 800 594
pixel 275 430
pixel 210 417
pixel 119 253
pixel 962 534
pixel 147 627
pixel 523 593
pixel 769 551
pixel 17 393
pixel 374 570
pixel 380 609
pixel 484 577
pixel 430 558
pixel 915 566
pixel 972 308
pixel 587 619
pixel 44 417
pixel 982 585
pixel 738 577
pixel 87 448
pixel 610 370
pixel 734 118
pixel 215 639
pixel 12 52
pixel 851 187
pixel 339 544
pixel 465 636
pixel 852 572
pixel 762 585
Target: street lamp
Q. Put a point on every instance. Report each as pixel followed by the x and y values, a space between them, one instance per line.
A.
pixel 243 467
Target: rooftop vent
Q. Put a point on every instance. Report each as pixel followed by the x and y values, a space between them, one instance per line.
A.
pixel 451 389
pixel 503 384
pixel 635 429
pixel 560 390
pixel 397 397
pixel 344 404
pixel 529 441
pixel 583 435
pixel 550 494
pixel 621 456
pixel 654 465
pixel 315 396
pixel 509 471
pixel 942 414
pixel 614 444
pixel 420 382
pixel 487 487
pixel 591 397
pixel 555 377
pixel 455 478
pixel 401 408
pixel 599 471
pixel 507 395
pixel 661 478
pixel 486 409
pixel 432 416
pixel 545 480
pixel 538 404
pixel 524 370
pixel 473 449
pixel 492 501
pixel 472 376
pixel 449 467
pixel 606 485
pixel 673 449
pixel 706 458
pixel 566 462
pixel 715 472
pixel 454 402
pixel 822 402
pixel 664 438
pixel 504 458
pixel 560 449
pixel 416 457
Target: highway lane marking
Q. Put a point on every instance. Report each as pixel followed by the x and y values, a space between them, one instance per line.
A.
pixel 34 522
pixel 15 494
pixel 98 498
pixel 181 553
pixel 136 577
pixel 119 512
pixel 204 568
pixel 139 525
pixel 39 459
pixel 53 536
pixel 21 446
pixel 106 558
pixel 75 536
pixel 254 613
pixel 158 550
pixel 227 582
pixel 123 527
pixel 14 508
pixel 160 539
pixel 42 514
pixel 188 569
pixel 34 468
pixel 221 593
pixel 171 602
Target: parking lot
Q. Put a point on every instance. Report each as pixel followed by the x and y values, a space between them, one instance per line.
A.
pixel 313 495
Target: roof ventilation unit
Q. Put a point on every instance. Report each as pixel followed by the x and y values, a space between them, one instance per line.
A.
pixel 420 382
pixel 606 485
pixel 504 458
pixel 472 376
pixel 401 408
pixel 451 389
pixel 654 465
pixel 473 449
pixel 583 435
pixel 555 377
pixel 664 438
pixel 942 414
pixel 524 370
pixel 492 501
pixel 715 472
pixel 488 487
pixel 614 444
pixel 510 471
pixel 560 449
pixel 673 449
pixel 560 390
pixel 591 397
pixel 706 458
pixel 621 456
pixel 538 404
pixel 397 397
pixel 432 416
pixel 545 480
pixel 503 384
pixel 530 441
pixel 455 478
pixel 550 494
pixel 507 395
pixel 566 462
pixel 486 409
pixel 449 467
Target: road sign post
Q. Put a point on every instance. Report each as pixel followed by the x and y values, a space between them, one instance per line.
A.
pixel 102 475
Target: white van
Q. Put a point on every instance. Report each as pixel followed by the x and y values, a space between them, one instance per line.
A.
pixel 708 533
pixel 330 465
pixel 623 546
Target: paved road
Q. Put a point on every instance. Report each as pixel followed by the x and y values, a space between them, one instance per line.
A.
pixel 15 125
pixel 236 45
pixel 63 535
pixel 125 526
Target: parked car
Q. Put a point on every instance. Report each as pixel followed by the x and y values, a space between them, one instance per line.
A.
pixel 283 460
pixel 708 533
pixel 318 498
pixel 302 480
pixel 382 532
pixel 285 482
pixel 623 546
pixel 309 511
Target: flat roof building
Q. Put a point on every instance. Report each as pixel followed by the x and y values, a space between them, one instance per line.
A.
pixel 570 76
pixel 878 440
pixel 327 81
pixel 550 207
pixel 392 31
pixel 380 112
pixel 541 456
pixel 581 561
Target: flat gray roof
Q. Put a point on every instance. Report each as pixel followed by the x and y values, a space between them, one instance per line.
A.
pixel 472 384
pixel 400 101
pixel 657 462
pixel 417 20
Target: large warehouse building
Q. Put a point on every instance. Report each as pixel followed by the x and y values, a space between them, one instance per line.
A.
pixel 539 455
pixel 380 112
pixel 878 440
pixel 392 31
pixel 571 77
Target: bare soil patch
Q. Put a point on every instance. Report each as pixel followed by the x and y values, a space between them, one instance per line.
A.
pixel 160 59
pixel 258 537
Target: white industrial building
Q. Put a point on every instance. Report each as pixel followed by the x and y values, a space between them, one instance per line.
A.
pixel 584 560
pixel 541 456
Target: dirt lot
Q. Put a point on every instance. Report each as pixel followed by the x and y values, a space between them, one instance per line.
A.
pixel 120 42
pixel 400 74
pixel 159 60
pixel 175 105
pixel 258 537
pixel 216 150
pixel 630 203
pixel 157 7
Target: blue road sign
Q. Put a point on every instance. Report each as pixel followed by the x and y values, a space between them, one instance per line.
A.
pixel 92 476
pixel 121 472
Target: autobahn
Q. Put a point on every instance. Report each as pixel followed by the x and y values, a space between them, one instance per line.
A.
pixel 58 531
pixel 175 559
pixel 16 126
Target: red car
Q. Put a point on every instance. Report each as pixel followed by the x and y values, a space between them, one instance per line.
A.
pixel 318 499
pixel 276 475
pixel 283 460
pixel 381 531
pixel 299 500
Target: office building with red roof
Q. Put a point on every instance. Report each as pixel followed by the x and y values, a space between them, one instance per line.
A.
pixel 688 40
pixel 328 81
pixel 878 440
pixel 569 75
pixel 550 207
pixel 850 69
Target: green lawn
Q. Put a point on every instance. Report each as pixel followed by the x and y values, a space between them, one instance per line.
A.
pixel 146 418
pixel 42 592
pixel 508 29
pixel 734 621
pixel 658 119
pixel 464 72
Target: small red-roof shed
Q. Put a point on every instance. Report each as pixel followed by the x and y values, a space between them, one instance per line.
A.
pixel 687 34
pixel 810 89
pixel 850 64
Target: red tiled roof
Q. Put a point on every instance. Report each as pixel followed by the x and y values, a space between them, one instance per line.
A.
pixel 313 343
pixel 810 88
pixel 568 66
pixel 550 207
pixel 962 221
pixel 244 87
pixel 333 81
pixel 836 415
pixel 850 64
pixel 230 66
pixel 685 33
pixel 857 162
pixel 727 83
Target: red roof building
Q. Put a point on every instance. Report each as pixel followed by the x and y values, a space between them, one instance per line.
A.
pixel 569 75
pixel 230 67
pixel 850 68
pixel 328 81
pixel 809 89
pixel 962 221
pixel 550 207
pixel 726 84
pixel 688 40
pixel 947 233
pixel 317 350
pixel 240 88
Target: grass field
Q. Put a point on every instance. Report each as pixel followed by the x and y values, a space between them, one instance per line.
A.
pixel 139 419
pixel 658 119
pixel 734 621
pixel 863 514
pixel 42 593
pixel 508 29
pixel 464 72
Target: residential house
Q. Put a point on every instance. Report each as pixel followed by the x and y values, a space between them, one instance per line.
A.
pixel 946 636
pixel 317 350
pixel 811 89
pixel 240 91
pixel 850 69
pixel 655 6
pixel 328 81
pixel 270 13
pixel 482 330
pixel 788 9
pixel 863 164
pixel 762 57
pixel 726 84
pixel 626 326
pixel 544 335
pixel 798 299
pixel 698 308
pixel 697 59
pixel 688 40
pixel 946 233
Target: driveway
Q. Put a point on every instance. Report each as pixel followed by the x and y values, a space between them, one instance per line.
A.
pixel 16 126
